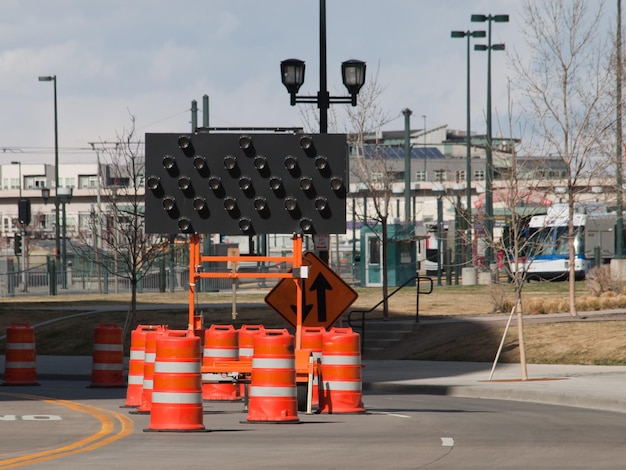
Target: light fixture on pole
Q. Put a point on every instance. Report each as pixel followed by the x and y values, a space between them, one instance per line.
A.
pixel 57 235
pixel 353 77
pixel 489 258
pixel 468 131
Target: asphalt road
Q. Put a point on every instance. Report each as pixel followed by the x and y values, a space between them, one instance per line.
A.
pixel 64 425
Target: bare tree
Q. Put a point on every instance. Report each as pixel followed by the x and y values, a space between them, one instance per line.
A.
pixel 372 170
pixel 127 251
pixel 564 79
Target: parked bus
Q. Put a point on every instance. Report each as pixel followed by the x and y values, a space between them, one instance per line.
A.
pixel 544 242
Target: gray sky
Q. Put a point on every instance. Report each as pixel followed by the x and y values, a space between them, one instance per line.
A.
pixel 152 57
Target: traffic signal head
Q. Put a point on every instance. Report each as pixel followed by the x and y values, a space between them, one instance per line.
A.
pixel 23 211
pixel 17 248
pixel 246 184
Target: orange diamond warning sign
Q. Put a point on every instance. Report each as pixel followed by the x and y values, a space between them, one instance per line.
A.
pixel 325 295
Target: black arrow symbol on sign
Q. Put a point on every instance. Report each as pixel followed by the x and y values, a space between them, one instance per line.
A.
pixel 305 308
pixel 321 285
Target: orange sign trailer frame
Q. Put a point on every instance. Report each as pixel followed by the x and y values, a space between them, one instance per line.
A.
pixel 305 366
pixel 296 273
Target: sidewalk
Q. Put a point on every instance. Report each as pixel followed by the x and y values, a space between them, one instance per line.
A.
pixel 593 387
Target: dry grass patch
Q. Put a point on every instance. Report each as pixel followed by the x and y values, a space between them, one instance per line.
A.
pixel 570 342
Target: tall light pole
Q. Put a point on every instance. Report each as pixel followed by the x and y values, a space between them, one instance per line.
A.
pixel 439 190
pixel 22 226
pixel 468 143
pixel 489 258
pixel 407 171
pixel 424 145
pixel 57 228
pixel 353 77
pixel 619 241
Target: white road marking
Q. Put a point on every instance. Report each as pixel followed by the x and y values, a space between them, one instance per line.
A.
pixel 390 414
pixel 30 418
pixel 447 442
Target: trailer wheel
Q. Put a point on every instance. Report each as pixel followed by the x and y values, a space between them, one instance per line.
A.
pixel 301 395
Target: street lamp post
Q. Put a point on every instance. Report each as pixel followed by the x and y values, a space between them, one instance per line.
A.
pixel 22 230
pixel 353 76
pixel 439 190
pixel 468 162
pixel 407 172
pixel 57 235
pixel 489 259
pixel 62 197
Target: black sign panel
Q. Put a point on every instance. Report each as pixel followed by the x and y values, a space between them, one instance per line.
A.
pixel 238 184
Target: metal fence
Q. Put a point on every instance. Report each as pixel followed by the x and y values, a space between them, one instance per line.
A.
pixel 45 280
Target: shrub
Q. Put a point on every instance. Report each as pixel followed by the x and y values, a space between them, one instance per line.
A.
pixel 599 281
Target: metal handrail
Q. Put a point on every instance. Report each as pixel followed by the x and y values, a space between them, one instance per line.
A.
pixel 418 280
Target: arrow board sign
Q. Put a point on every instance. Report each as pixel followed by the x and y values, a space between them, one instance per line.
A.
pixel 325 295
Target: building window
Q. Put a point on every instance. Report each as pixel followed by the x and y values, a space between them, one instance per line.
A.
pixel 460 176
pixel 440 175
pixel 420 175
pixel 70 182
pixel 87 181
pixel 479 175
pixel 34 182
pixel 15 183
pixel 374 250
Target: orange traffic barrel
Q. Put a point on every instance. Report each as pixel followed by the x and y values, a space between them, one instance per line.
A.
pixel 177 392
pixel 273 379
pixel 136 364
pixel 313 339
pixel 148 370
pixel 220 345
pixel 107 368
pixel 20 357
pixel 246 345
pixel 341 372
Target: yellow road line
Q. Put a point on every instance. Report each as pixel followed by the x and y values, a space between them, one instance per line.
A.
pixel 99 439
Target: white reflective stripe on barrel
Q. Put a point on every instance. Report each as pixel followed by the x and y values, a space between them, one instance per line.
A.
pixel 212 352
pixel 107 347
pixel 150 357
pixel 271 363
pixel 19 365
pixel 341 360
pixel 259 391
pixel 137 355
pixel 148 384
pixel 191 398
pixel 23 346
pixel 135 380
pixel 316 355
pixel 343 386
pixel 106 366
pixel 246 352
pixel 180 367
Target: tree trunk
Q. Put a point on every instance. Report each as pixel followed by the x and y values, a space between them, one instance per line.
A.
pixel 572 260
pixel 520 339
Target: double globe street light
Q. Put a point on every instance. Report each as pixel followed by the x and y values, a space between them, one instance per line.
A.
pixel 352 74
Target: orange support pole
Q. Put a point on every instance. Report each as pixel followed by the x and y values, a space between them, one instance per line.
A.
pixel 297 264
pixel 193 263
